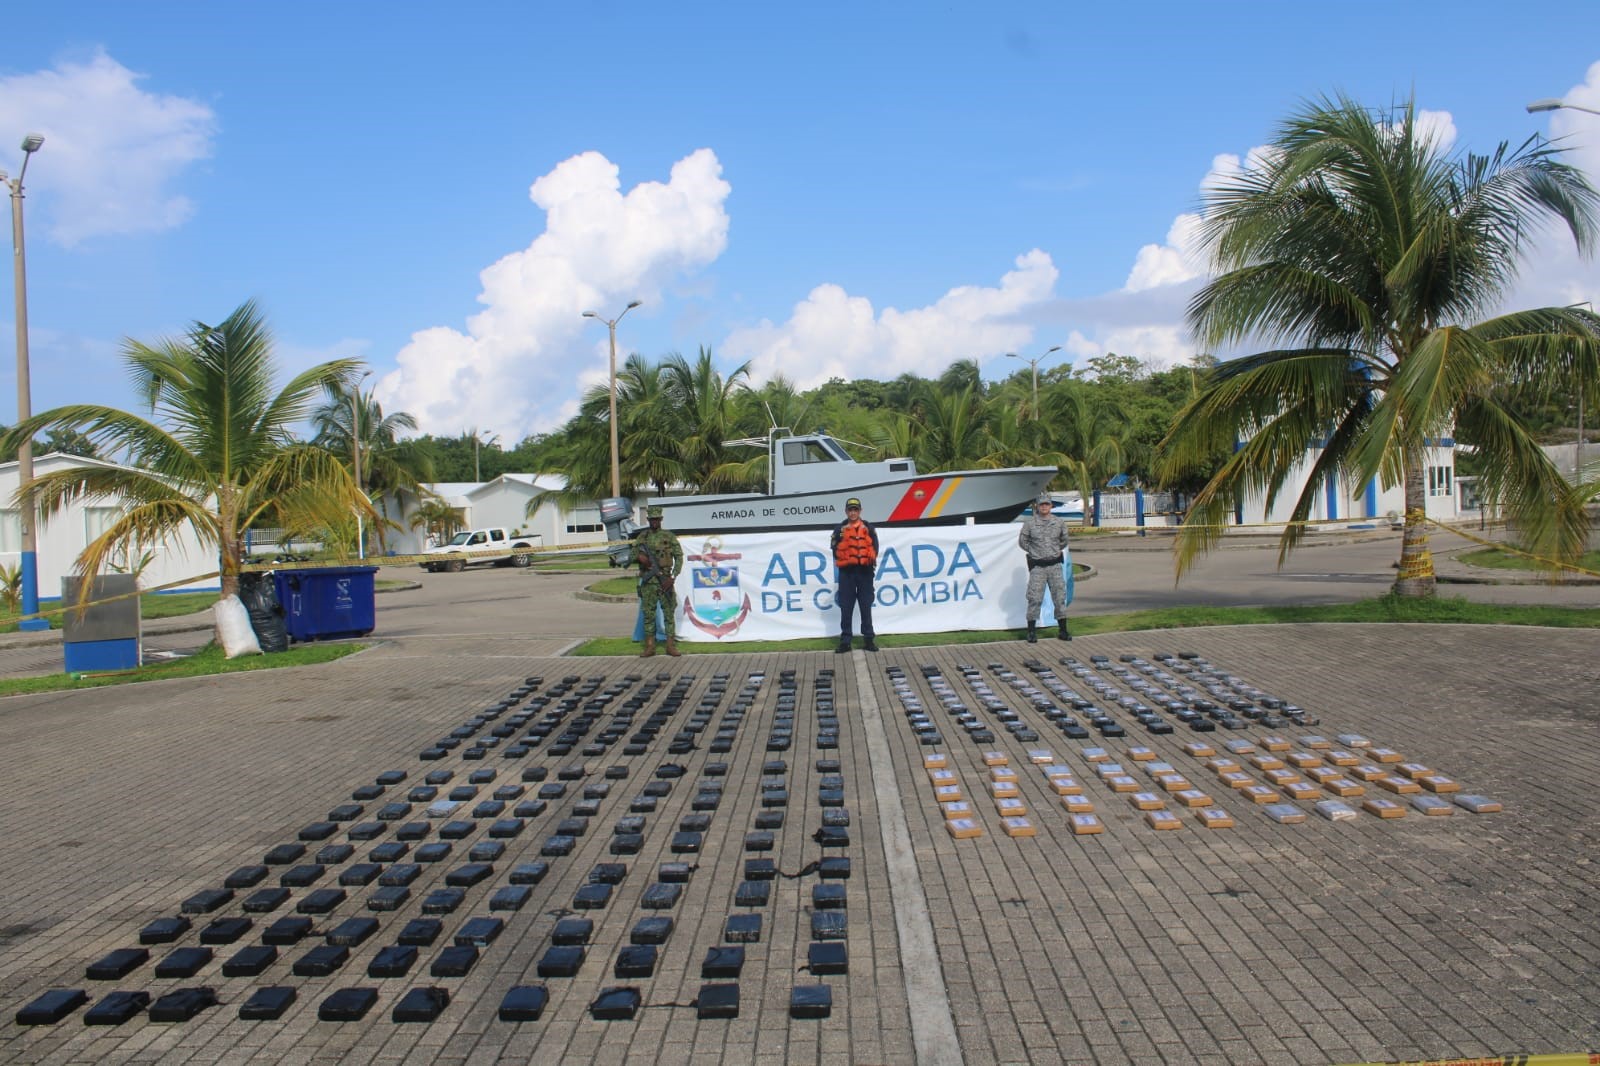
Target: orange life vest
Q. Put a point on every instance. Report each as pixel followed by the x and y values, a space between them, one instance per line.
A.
pixel 854 547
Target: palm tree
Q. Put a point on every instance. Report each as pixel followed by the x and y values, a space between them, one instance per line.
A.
pixel 1369 255
pixel 436 515
pixel 1087 429
pixel 954 427
pixel 389 465
pixel 217 454
pixel 702 402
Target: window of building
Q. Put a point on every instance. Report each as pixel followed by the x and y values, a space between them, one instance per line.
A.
pixel 1439 481
pixel 96 520
pixel 10 530
pixel 585 527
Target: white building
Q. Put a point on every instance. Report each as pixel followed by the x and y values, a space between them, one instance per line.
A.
pixel 63 537
pixel 1341 500
pixel 503 502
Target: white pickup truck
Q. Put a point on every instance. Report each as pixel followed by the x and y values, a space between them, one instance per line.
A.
pixel 492 544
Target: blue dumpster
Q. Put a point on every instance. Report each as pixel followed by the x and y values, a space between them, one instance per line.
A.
pixel 333 601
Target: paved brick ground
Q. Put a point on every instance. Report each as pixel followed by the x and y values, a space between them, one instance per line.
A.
pixel 1317 942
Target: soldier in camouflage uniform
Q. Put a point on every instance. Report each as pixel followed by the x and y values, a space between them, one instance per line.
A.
pixel 1044 541
pixel 660 557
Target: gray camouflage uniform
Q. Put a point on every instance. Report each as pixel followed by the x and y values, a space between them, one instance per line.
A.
pixel 1044 540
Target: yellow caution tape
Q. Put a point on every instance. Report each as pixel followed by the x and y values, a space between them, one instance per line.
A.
pixel 422 560
pixel 1553 564
pixel 1580 1058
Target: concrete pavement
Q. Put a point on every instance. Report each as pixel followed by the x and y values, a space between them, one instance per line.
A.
pixel 1323 941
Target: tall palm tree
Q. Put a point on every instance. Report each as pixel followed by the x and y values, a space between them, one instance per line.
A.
pixel 1089 431
pixel 218 452
pixel 1367 256
pixel 389 465
pixel 955 428
pixel 702 399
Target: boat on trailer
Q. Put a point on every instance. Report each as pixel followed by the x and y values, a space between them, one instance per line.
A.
pixel 810 475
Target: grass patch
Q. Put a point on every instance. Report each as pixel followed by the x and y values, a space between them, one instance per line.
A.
pixel 202 664
pixel 616 586
pixel 594 561
pixel 1499 559
pixel 1383 609
pixel 170 605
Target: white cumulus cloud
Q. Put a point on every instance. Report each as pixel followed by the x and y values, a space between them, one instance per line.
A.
pixel 834 334
pixel 511 370
pixel 1553 272
pixel 112 151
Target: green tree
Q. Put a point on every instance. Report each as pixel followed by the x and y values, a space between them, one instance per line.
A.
pixel 1369 255
pixel 701 398
pixel 389 466
pixel 1087 425
pixel 218 453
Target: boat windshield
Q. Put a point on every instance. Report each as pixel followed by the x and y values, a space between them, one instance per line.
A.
pixel 811 450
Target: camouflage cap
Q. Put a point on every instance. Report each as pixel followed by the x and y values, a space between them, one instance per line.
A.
pixel 654 511
pixel 1043 500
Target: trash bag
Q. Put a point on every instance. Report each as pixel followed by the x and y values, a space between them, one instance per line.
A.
pixel 259 594
pixel 233 627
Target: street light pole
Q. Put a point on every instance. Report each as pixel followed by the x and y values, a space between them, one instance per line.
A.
pixel 1553 104
pixel 611 326
pixel 355 459
pixel 27 517
pixel 1034 363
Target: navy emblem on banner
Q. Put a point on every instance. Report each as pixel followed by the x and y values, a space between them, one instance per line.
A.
pixel 716 604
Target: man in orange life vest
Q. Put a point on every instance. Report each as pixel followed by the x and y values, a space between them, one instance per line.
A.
pixel 855 553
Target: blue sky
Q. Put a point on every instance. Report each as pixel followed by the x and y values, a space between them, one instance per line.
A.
pixel 840 189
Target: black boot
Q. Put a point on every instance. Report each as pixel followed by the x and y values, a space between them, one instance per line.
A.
pixel 1033 633
pixel 1061 630
pixel 844 646
pixel 870 645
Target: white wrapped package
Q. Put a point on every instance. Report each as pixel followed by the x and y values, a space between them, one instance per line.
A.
pixel 233 627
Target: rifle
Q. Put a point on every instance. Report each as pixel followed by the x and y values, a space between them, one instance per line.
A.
pixel 648 569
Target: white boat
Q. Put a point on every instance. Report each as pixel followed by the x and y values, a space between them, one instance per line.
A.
pixel 810 475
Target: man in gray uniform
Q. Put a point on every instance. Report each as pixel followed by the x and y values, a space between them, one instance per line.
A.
pixel 1044 541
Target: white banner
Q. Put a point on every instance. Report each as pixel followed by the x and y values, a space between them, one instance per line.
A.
pixel 780 586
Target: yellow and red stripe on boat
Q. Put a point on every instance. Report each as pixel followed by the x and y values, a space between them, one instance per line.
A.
pixel 924 498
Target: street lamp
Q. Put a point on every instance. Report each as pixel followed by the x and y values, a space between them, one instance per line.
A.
pixel 30 537
pixel 1034 363
pixel 1552 104
pixel 477 471
pixel 355 458
pixel 611 325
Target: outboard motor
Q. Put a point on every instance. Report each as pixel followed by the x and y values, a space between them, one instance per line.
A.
pixel 616 514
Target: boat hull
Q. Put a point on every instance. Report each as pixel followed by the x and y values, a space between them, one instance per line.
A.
pixel 953 498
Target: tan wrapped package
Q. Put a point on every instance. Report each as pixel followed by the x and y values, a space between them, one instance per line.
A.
pixel 1011 808
pixel 1260 794
pixel 1383 808
pixel 1162 820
